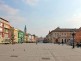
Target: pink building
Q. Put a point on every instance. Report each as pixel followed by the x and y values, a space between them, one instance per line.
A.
pixel 4 29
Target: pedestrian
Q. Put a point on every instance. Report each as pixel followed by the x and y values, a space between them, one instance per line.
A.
pixel 36 42
pixel 62 42
pixel 80 44
pixel 77 45
pixel 58 43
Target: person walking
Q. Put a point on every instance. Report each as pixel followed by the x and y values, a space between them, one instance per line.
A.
pixel 62 42
pixel 36 42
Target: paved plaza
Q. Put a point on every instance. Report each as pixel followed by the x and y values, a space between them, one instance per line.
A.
pixel 39 52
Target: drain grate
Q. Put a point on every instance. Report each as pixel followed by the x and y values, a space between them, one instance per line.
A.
pixel 13 56
pixel 45 58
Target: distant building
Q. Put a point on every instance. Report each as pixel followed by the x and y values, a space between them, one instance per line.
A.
pixel 40 39
pixel 32 38
pixel 29 38
pixel 4 30
pixel 25 38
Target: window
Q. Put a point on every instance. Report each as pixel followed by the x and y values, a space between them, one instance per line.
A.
pixel 0 35
pixel 65 33
pixel 6 30
pixel 6 26
pixel 55 34
pixel 1 24
pixel 70 33
pixel 62 33
pixel 0 29
pixel 6 35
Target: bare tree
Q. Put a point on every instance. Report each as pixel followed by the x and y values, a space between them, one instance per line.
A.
pixel 12 34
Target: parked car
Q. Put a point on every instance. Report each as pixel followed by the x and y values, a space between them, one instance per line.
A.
pixel 78 44
pixel 45 41
pixel 70 42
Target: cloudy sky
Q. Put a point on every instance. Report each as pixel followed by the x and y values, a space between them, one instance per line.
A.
pixel 40 16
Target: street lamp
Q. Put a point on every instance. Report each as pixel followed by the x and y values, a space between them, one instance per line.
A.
pixel 73 34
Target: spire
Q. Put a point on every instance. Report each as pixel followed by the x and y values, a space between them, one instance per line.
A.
pixel 49 31
pixel 25 30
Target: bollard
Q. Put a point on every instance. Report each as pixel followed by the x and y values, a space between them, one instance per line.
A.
pixel 13 49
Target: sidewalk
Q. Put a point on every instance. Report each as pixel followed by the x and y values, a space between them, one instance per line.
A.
pixel 39 52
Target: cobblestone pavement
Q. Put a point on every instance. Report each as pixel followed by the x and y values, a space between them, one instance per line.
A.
pixel 39 52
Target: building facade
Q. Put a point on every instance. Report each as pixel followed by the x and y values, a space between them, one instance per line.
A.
pixel 32 38
pixel 16 35
pixel 78 35
pixel 20 36
pixel 29 38
pixel 4 30
pixel 60 35
pixel 26 38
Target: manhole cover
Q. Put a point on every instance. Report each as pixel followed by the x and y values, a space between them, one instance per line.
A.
pixel 45 58
pixel 13 56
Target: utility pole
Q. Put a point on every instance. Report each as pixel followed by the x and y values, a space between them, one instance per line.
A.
pixel 73 34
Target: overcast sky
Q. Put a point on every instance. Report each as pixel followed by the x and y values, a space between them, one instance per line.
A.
pixel 40 16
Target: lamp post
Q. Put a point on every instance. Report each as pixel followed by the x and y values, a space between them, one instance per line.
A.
pixel 73 34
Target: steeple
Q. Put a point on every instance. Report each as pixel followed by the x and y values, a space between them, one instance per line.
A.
pixel 25 30
pixel 49 31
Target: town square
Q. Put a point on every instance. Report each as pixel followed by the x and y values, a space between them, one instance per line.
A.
pixel 39 52
pixel 40 30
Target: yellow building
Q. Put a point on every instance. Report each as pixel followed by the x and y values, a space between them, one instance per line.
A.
pixel 16 35
pixel 26 38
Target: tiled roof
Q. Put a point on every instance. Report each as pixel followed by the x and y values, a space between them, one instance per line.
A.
pixel 63 30
pixel 4 19
pixel 79 29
